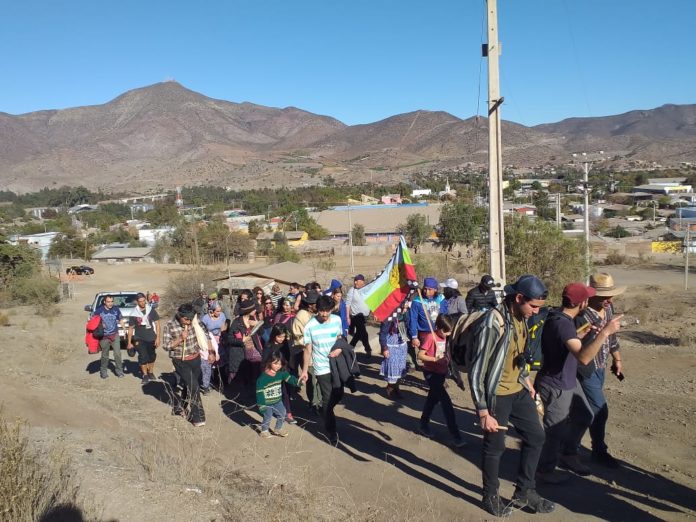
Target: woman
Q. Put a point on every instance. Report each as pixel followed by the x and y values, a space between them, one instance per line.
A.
pixel 340 309
pixel 267 316
pixel 216 323
pixel 258 298
pixel 243 346
pixel 392 339
pixel 286 314
pixel 279 343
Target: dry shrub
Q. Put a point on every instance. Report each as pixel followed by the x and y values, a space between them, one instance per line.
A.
pixel 185 287
pixel 614 258
pixel 33 484
pixel 4 319
pixel 640 307
pixel 38 289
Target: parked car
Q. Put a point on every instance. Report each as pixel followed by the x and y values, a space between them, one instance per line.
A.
pixel 79 270
pixel 125 301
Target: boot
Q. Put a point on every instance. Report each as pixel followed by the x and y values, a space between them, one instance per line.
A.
pixel 397 392
pixel 390 391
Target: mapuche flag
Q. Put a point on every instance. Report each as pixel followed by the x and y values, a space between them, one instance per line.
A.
pixel 384 295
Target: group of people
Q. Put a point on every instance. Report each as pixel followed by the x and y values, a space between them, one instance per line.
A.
pixel 277 343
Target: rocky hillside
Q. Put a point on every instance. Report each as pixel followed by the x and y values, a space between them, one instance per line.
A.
pixel 163 135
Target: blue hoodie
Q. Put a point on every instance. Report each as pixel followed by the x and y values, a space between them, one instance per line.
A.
pixel 418 321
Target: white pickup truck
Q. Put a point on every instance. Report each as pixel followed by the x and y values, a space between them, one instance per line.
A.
pixel 126 302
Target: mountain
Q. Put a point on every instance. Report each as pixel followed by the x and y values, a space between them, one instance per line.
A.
pixel 163 135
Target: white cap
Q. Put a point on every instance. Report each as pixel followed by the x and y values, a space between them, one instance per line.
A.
pixel 450 283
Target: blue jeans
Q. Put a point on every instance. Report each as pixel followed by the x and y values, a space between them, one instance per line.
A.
pixel 206 372
pixel 276 410
pixel 593 386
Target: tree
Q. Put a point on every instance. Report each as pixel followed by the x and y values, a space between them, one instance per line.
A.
pixel 459 224
pixel 618 232
pixel 416 230
pixel 255 228
pixel 164 213
pixel 358 234
pixel 17 261
pixel 538 247
pixel 64 245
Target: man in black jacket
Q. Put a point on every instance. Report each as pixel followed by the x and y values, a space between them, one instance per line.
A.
pixel 482 296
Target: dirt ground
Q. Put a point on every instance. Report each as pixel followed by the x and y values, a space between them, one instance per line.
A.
pixel 137 462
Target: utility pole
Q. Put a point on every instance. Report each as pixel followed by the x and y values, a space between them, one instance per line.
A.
pixel 687 241
pixel 558 209
pixel 350 240
pixel 587 160
pixel 496 236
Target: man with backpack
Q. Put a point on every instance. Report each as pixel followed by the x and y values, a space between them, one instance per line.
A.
pixel 567 413
pixel 502 392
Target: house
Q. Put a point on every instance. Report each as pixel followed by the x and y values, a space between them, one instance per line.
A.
pixel 123 255
pixel 41 242
pixel 294 238
pixel 150 235
pixel 662 189
pixel 419 193
pixel 82 208
pixel 522 210
pixel 391 199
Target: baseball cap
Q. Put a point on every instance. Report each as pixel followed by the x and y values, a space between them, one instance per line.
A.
pixel 359 277
pixel 487 281
pixel 576 293
pixel 430 282
pixel 529 286
pixel 450 283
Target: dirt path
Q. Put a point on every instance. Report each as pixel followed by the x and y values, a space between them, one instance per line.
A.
pixel 140 463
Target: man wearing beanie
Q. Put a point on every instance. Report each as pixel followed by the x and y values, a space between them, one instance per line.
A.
pixel 424 310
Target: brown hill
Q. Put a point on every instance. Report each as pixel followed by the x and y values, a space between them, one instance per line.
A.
pixel 162 135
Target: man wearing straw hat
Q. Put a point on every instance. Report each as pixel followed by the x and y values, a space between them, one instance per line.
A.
pixel 599 312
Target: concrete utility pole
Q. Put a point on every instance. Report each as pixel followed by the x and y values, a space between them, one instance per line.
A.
pixel 558 209
pixel 586 160
pixel 687 242
pixel 350 240
pixel 496 235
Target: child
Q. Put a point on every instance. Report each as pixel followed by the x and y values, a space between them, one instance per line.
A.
pixel 269 393
pixel 435 357
pixel 394 350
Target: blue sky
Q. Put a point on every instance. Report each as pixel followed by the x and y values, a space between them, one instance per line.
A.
pixel 359 60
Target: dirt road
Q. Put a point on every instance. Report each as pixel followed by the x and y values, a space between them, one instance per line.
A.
pixel 140 463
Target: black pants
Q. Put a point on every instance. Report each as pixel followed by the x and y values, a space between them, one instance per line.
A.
pixel 146 351
pixel 359 322
pixel 438 394
pixel 189 375
pixel 330 397
pixel 518 408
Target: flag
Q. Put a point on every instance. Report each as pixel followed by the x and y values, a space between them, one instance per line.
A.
pixel 392 286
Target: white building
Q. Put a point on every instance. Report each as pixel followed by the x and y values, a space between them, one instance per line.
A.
pixel 150 235
pixel 41 242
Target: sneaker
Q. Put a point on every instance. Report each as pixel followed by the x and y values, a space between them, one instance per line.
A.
pixel 151 377
pixel 145 379
pixel 104 374
pixel 496 507
pixel 119 374
pixel 205 391
pixel 605 459
pixel 265 434
pixel 552 477
pixel 425 431
pixel 531 499
pixel 290 419
pixel 280 433
pixel 458 442
pixel 572 463
pixel 199 424
pixel 333 438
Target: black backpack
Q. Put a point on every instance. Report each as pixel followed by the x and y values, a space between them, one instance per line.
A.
pixel 98 332
pixel 535 326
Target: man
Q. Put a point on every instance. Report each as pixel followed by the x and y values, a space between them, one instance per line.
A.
pixel 482 296
pixel 111 319
pixel 358 312
pixel 566 411
pixel 143 334
pixel 599 312
pixel 308 309
pixel 502 393
pixel 320 336
pixel 180 340
pixel 424 310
